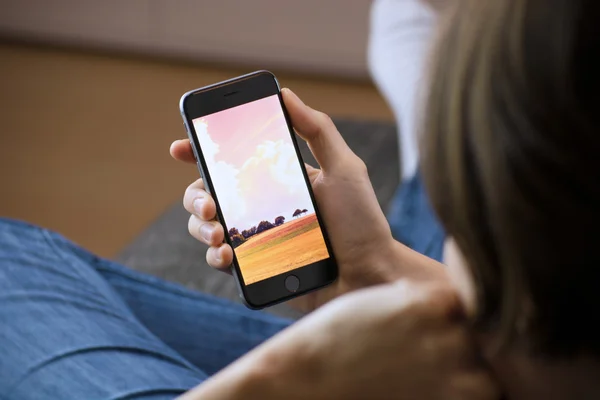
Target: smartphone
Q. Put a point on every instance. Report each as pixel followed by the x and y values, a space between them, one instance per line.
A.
pixel 248 157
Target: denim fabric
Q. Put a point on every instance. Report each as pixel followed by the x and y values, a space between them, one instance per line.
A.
pixel 75 326
pixel 413 221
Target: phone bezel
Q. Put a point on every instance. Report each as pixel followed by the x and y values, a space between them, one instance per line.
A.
pixel 232 93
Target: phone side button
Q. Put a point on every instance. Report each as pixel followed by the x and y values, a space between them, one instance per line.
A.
pixel 202 175
pixel 194 152
pixel 292 283
pixel 191 143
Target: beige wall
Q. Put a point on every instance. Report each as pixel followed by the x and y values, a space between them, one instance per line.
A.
pixel 326 37
pixel 85 137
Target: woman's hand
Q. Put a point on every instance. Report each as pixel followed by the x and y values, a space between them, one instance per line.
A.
pixel 400 341
pixel 359 233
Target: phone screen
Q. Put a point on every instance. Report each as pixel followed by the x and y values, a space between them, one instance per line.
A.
pixel 260 187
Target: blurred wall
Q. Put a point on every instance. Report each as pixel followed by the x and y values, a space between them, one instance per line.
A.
pixel 325 37
pixel 85 134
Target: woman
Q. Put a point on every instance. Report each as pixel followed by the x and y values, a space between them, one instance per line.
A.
pixel 510 160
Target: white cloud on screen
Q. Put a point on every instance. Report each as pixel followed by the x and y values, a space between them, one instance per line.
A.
pixel 224 175
pixel 272 183
pixel 269 184
pixel 278 159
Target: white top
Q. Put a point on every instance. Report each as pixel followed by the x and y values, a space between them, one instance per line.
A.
pixel 400 33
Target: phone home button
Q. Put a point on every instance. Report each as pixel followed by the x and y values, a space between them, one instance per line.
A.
pixel 292 283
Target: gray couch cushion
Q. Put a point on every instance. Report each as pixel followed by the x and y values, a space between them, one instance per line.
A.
pixel 166 249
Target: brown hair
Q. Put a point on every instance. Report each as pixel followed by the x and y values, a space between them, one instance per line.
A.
pixel 511 161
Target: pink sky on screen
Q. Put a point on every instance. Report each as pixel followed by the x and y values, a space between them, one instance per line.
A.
pixel 252 162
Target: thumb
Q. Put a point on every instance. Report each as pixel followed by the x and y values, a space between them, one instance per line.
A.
pixel 323 138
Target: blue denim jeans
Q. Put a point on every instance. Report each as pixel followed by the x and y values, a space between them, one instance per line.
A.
pixel 413 221
pixel 75 326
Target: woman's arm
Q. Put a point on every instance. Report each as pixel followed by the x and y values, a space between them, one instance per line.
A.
pixel 403 340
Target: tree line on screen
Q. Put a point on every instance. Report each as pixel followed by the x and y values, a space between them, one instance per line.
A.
pixel 237 237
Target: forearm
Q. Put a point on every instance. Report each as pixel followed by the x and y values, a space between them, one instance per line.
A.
pixel 238 381
pixel 405 263
pixel 392 261
pixel 282 367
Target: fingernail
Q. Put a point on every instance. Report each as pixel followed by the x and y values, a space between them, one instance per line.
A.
pixel 206 232
pixel 217 255
pixel 198 205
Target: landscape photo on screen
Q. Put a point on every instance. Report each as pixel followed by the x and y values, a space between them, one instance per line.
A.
pixel 261 190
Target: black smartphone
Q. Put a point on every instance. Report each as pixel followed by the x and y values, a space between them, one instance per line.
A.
pixel 247 154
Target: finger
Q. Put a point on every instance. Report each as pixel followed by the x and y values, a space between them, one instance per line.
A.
pixel 312 172
pixel 310 169
pixel 198 202
pixel 208 232
pixel 323 138
pixel 220 257
pixel 181 150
